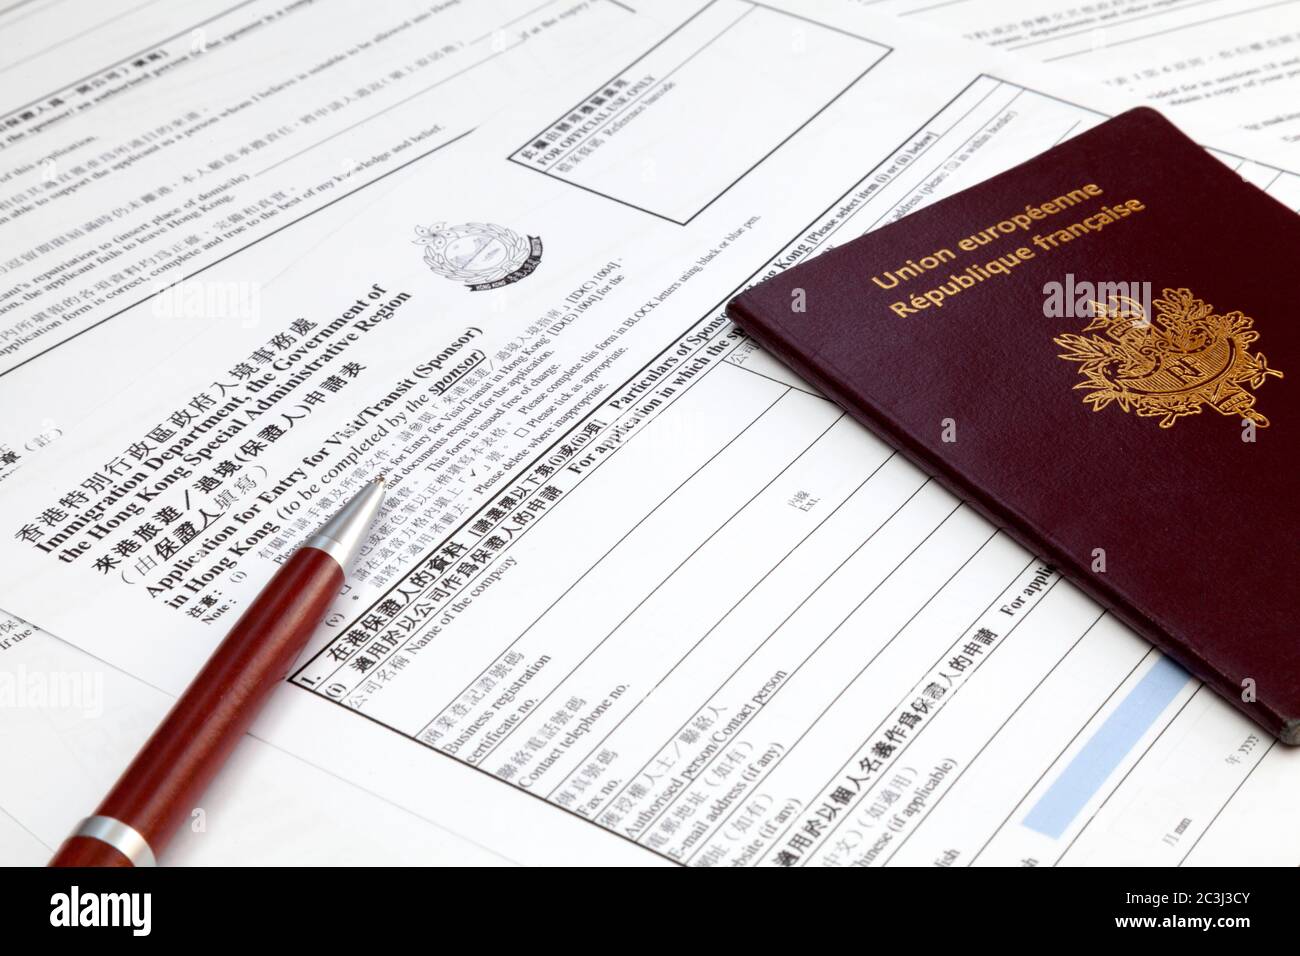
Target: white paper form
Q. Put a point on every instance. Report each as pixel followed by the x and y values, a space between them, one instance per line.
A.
pixel 17 846
pixel 223 141
pixel 47 38
pixel 73 722
pixel 711 742
pixel 1232 62
pixel 683 609
pixel 117 70
pixel 52 45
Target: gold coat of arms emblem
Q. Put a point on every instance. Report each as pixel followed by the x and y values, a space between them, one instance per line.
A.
pixel 1171 364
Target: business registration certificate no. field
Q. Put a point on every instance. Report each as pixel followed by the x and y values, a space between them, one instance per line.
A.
pixel 640 594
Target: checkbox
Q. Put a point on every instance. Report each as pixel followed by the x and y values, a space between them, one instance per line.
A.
pixel 521 432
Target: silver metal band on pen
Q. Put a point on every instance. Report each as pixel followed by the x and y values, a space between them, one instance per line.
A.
pixel 121 837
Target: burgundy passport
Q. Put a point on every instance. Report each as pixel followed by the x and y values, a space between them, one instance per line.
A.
pixel 1099 350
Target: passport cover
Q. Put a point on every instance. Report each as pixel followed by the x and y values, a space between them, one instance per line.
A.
pixel 1145 444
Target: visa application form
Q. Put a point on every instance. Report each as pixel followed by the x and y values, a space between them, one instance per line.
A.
pixel 640 595
pixel 159 142
pixel 119 121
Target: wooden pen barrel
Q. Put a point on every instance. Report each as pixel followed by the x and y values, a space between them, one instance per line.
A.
pixel 161 787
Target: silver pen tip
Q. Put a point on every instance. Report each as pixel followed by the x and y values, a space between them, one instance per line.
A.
pixel 342 536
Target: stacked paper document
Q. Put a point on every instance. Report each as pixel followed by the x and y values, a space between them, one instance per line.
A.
pixel 639 594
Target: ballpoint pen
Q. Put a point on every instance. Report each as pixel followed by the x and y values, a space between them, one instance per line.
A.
pixel 160 787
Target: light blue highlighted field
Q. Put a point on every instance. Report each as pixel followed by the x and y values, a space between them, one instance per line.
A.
pixel 1084 775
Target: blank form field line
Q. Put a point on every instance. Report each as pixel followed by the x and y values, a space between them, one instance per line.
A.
pixel 668 577
pixel 934 6
pixel 390 106
pixel 1057 808
pixel 1120 782
pixel 509 23
pixel 1094 29
pixel 615 546
pixel 713 627
pixel 994 736
pixel 1150 36
pixel 1235 791
pixel 924 726
pixel 817 720
pixel 772 633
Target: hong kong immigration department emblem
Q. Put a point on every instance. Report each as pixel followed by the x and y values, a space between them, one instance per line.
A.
pixel 1171 364
pixel 479 254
